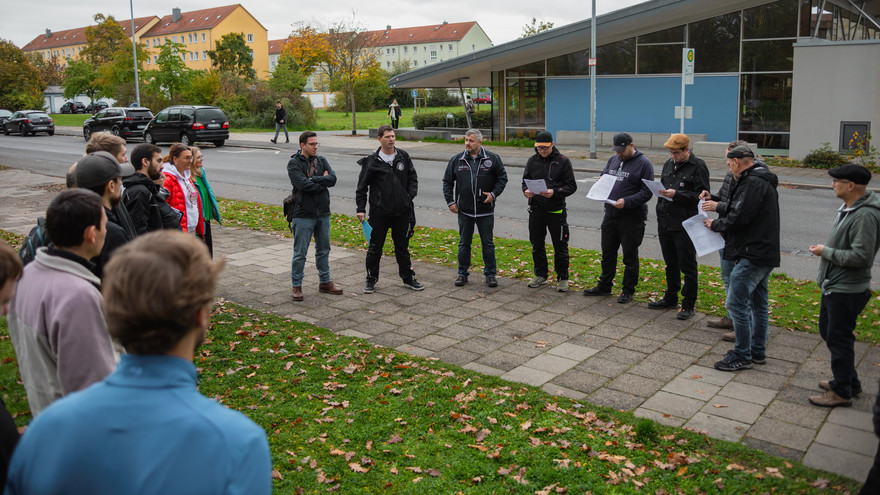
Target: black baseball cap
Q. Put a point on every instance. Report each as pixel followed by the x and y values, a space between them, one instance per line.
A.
pixel 741 152
pixel 621 141
pixel 98 168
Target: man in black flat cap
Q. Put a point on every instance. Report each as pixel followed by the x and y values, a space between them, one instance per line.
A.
pixel 751 233
pixel 845 278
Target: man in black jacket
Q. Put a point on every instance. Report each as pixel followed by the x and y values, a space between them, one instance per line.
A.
pixel 684 177
pixel 389 178
pixel 139 196
pixel 624 222
pixel 547 209
pixel 280 121
pixel 751 233
pixel 472 182
pixel 311 177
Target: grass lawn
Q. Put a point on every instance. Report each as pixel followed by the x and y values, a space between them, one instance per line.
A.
pixel 348 416
pixel 70 119
pixel 338 121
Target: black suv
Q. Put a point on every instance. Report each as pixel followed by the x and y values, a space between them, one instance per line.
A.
pixel 188 124
pixel 125 122
pixel 73 107
pixel 96 107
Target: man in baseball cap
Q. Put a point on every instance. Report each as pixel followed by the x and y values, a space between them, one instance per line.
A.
pixel 101 173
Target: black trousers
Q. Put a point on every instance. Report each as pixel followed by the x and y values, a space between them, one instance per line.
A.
pixel 208 240
pixel 680 257
pixel 837 321
pixel 398 225
pixel 872 484
pixel 540 222
pixel 624 231
pixel 394 122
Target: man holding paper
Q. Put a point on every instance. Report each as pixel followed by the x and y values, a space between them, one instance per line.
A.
pixel 472 182
pixel 684 177
pixel 547 180
pixel 751 231
pixel 626 211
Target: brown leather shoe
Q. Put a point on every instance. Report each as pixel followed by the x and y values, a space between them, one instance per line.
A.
pixel 723 323
pixel 826 385
pixel 729 337
pixel 297 293
pixel 830 399
pixel 330 288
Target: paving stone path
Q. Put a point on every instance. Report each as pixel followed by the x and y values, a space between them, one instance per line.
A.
pixel 618 355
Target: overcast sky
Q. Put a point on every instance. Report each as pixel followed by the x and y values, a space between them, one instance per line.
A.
pixel 503 20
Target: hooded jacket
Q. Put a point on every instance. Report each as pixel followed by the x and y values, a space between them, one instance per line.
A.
pixel 464 188
pixel 392 187
pixel 313 200
pixel 849 253
pixel 139 199
pixel 629 185
pixel 723 194
pixel 557 173
pixel 177 199
pixel 120 230
pixel 689 179
pixel 751 225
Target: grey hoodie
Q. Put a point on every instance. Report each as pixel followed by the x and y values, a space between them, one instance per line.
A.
pixel 851 247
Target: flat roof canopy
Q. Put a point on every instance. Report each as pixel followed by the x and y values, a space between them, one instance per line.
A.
pixel 643 18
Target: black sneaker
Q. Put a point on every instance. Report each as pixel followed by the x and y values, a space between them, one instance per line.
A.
pixel 732 361
pixel 597 291
pixel 369 286
pixel 685 314
pixel 461 281
pixel 491 281
pixel 273 141
pixel 624 298
pixel 413 284
pixel 758 359
pixel 662 304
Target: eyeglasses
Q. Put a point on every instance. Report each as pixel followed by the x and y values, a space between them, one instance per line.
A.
pixel 312 144
pixel 675 152
pixel 543 148
pixel 840 181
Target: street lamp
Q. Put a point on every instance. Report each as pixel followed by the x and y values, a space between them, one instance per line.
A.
pixel 137 89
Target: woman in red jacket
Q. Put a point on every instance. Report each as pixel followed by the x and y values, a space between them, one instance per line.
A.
pixel 184 195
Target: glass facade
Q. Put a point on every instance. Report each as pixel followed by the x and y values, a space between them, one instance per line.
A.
pixel 755 43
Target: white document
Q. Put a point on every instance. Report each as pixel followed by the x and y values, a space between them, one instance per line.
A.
pixel 655 186
pixel 705 240
pixel 602 188
pixel 537 186
pixel 701 210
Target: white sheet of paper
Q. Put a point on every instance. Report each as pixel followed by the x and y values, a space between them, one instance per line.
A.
pixel 602 188
pixel 705 240
pixel 655 186
pixel 537 186
pixel 701 210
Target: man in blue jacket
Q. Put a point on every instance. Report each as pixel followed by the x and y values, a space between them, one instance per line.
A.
pixel 146 429
pixel 311 177
pixel 624 222
pixel 473 181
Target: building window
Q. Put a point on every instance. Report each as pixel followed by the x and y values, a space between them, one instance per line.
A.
pixel 183 56
pixel 156 59
pixel 473 47
pixel 404 49
pixel 149 61
pixel 433 55
pixel 450 47
pixel 393 51
pixel 196 54
pixel 617 58
pixel 387 64
pixel 415 63
pixel 203 37
pixel 441 48
pixel 192 56
pixel 204 55
pixel 716 43
pixel 415 49
pixel 190 37
pixel 250 38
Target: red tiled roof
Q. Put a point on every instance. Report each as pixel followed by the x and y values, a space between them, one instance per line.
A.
pixel 423 34
pixel 191 21
pixel 77 36
pixel 275 46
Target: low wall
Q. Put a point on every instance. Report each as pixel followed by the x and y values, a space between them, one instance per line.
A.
pixel 411 134
pixel 605 138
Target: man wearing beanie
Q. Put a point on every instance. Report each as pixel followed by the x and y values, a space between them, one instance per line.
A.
pixel 547 209
pixel 684 177
pixel 845 278
pixel 101 173
pixel 751 234
pixel 624 222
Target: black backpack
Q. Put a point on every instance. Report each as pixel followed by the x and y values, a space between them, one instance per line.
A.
pixel 36 238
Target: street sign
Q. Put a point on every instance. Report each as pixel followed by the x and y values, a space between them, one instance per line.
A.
pixel 592 61
pixel 687 65
pixel 414 93
pixel 688 112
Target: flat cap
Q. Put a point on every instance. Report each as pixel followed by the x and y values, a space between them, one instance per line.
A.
pixel 741 152
pixel 677 142
pixel 851 172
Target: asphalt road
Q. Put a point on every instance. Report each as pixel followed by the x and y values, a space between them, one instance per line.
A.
pixel 259 174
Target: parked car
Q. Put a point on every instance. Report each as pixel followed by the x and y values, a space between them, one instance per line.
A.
pixel 188 124
pixel 96 107
pixel 26 122
pixel 73 107
pixel 4 115
pixel 483 99
pixel 125 122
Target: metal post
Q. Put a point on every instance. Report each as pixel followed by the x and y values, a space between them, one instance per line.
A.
pixel 681 127
pixel 463 102
pixel 137 88
pixel 593 85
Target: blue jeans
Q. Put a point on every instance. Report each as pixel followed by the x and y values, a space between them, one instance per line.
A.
pixel 747 307
pixel 278 128
pixel 485 225
pixel 303 230
pixel 726 267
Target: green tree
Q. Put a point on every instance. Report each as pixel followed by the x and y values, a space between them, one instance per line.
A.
pixel 402 95
pixel 231 54
pixel 535 27
pixel 351 58
pixel 287 78
pixel 204 88
pixel 51 72
pixel 103 40
pixel 173 76
pixel 20 83
pixel 116 77
pixel 81 78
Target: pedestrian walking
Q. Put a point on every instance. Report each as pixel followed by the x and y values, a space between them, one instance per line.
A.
pixel 394 113
pixel 547 210
pixel 280 122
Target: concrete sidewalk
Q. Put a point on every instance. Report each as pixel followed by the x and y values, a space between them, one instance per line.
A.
pixel 591 349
